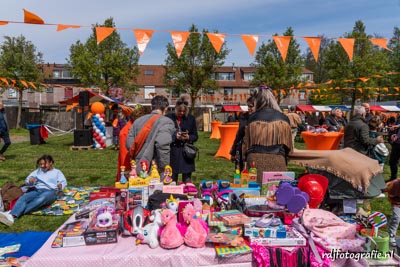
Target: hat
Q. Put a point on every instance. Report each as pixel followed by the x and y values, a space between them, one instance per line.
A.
pixel 315 185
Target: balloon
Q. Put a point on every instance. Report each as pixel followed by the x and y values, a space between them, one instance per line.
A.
pixel 103 137
pixel 98 146
pixel 97 116
pixel 101 119
pixel 97 108
pixel 98 131
pixel 102 115
pixel 101 134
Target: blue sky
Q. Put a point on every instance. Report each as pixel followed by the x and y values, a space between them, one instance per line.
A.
pixel 233 17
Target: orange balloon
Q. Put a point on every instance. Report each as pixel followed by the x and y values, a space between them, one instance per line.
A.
pixel 97 108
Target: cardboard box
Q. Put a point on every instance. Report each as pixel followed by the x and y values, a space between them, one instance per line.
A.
pixel 71 235
pixel 138 195
pixel 98 236
pixel 271 181
pixel 293 238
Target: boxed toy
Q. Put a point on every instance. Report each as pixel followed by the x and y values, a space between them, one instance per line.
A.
pixel 103 227
pixel 271 181
pixel 232 217
pixel 293 238
pixel 70 235
pixel 138 195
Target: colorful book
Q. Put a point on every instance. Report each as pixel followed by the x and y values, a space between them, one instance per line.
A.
pixel 228 251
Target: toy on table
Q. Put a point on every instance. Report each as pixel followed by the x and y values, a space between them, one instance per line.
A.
pixel 149 233
pixel 196 233
pixel 294 199
pixel 104 216
pixel 244 181
pixel 236 178
pixel 172 203
pixel 253 172
pixel 133 173
pixel 154 170
pixel 377 220
pixel 170 236
pixel 223 192
pixel 207 188
pixel 144 169
pixel 167 175
pixel 122 180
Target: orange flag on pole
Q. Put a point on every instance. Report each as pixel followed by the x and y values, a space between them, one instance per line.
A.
pixel 251 42
pixel 103 32
pixel 4 80
pixel 179 39
pixel 282 42
pixel 31 18
pixel 216 40
pixel 314 43
pixel 3 22
pixel 382 42
pixel 61 27
pixel 348 46
pixel 24 84
pixel 33 85
pixel 142 38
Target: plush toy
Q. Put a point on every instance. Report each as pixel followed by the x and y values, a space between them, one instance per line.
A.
pixel 104 217
pixel 172 203
pixel 170 236
pixel 195 235
pixel 149 233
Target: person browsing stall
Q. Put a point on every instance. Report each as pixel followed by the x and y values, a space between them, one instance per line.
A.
pixel 45 182
pixel 185 132
pixel 4 133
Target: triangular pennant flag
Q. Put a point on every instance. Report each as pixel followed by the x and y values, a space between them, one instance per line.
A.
pixel 314 43
pixel 217 40
pixel 142 38
pixel 103 32
pixel 29 17
pixel 363 79
pixel 282 42
pixel 33 85
pixel 382 42
pixel 61 27
pixel 348 46
pixel 179 39
pixel 4 80
pixel 251 42
pixel 3 22
pixel 24 84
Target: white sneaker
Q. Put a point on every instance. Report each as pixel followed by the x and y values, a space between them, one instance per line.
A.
pixel 6 218
pixel 392 241
pixel 381 195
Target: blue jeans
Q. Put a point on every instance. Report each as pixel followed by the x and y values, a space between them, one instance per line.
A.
pixel 394 221
pixel 7 142
pixel 33 200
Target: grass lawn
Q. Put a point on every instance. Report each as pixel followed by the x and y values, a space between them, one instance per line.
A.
pixel 99 167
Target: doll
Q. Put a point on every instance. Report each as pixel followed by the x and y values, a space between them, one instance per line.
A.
pixel 167 176
pixel 133 173
pixel 122 179
pixel 154 170
pixel 144 168
pixel 170 236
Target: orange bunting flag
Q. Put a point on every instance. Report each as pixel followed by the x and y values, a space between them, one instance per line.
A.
pixel 61 27
pixel 4 80
pixel 328 82
pixel 282 42
pixel 363 79
pixel 386 89
pixel 2 22
pixel 360 89
pixel 179 39
pixel 348 46
pixel 24 84
pixel 217 40
pixel 31 18
pixel 102 33
pixel 397 89
pixel 251 42
pixel 314 43
pixel 142 38
pixel 33 85
pixel 381 42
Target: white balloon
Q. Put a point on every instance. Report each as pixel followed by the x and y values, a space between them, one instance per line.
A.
pixel 98 145
pixel 98 131
pixel 101 119
pixel 103 137
pixel 101 134
pixel 97 115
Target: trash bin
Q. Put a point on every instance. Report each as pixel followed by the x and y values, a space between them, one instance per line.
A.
pixel 34 133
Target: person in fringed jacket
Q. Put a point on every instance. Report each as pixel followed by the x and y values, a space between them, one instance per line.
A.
pixel 268 135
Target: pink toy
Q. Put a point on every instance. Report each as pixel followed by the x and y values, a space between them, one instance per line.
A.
pixel 170 236
pixel 195 235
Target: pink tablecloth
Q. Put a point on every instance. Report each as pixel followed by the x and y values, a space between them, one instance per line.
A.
pixel 126 253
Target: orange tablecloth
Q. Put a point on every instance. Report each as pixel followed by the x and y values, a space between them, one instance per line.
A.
pixel 322 141
pixel 228 134
pixel 214 130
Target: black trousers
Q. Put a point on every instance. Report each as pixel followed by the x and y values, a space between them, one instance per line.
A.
pixel 394 161
pixel 186 177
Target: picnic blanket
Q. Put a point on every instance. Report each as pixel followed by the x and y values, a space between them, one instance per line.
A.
pixel 70 200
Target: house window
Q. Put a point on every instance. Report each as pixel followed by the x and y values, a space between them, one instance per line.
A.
pixel 148 72
pixel 210 92
pixel 225 76
pixel 12 93
pixel 56 74
pixel 228 93
pixel 66 74
pixel 248 76
pixel 49 90
pixel 149 92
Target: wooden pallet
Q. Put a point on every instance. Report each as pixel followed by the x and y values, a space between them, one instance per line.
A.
pixel 80 147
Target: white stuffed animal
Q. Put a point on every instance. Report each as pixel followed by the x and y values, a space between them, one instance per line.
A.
pixel 149 233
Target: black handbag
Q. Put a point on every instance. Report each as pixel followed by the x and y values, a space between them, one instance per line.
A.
pixel 190 151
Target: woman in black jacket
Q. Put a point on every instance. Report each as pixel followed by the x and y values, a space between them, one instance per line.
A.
pixel 185 131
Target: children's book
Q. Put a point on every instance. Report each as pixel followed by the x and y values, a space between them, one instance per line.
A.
pixel 229 251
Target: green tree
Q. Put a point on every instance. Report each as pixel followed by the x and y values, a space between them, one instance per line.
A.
pixel 368 60
pixel 273 71
pixel 394 59
pixel 321 74
pixel 193 71
pixel 18 62
pixel 110 61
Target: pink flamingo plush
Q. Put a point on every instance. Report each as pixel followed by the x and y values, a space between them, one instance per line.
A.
pixel 195 235
pixel 170 236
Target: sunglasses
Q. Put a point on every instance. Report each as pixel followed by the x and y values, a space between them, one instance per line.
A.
pixel 186 103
